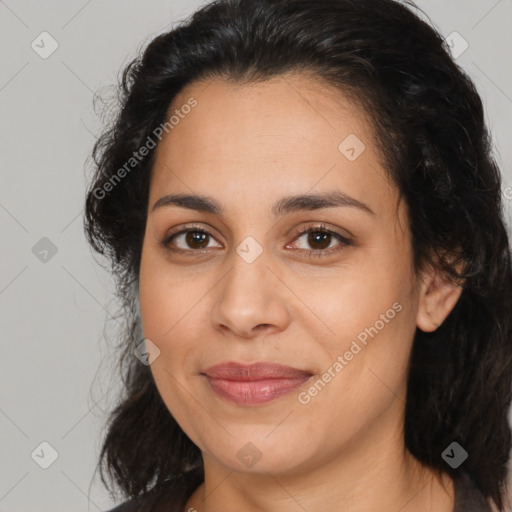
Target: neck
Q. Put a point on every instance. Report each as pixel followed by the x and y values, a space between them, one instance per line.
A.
pixel 375 472
pixel 417 491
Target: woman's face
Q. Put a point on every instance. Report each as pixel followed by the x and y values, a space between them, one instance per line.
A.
pixel 341 308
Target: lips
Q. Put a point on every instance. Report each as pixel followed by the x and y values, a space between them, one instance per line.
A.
pixel 254 384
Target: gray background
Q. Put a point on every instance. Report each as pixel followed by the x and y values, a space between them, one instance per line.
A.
pixel 55 380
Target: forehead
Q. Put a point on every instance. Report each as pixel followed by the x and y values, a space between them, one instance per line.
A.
pixel 293 107
pixel 288 134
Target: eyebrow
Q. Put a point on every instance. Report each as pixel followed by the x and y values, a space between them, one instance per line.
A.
pixel 282 207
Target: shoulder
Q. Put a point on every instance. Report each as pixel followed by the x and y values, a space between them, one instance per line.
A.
pixel 145 502
pixel 468 498
pixel 126 506
pixel 175 491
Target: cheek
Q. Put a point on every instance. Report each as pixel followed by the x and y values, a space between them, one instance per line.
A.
pixel 174 315
pixel 167 319
pixel 357 301
pixel 167 312
pixel 166 299
pixel 371 319
pixel 366 374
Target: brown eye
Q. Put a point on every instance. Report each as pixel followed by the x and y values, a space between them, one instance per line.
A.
pixel 318 242
pixel 196 239
pixel 188 240
pixel 319 239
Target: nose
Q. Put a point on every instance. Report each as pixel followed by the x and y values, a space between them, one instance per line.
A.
pixel 251 300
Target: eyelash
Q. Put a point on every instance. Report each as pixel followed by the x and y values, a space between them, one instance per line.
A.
pixel 310 253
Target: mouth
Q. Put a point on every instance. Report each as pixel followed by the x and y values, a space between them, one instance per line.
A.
pixel 254 384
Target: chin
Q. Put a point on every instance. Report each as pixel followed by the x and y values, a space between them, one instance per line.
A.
pixel 261 453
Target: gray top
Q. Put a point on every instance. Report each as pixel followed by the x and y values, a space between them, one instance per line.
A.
pixel 467 497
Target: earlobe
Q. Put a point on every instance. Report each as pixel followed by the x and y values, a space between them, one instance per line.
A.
pixel 438 296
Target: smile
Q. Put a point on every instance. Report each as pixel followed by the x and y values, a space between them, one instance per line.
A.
pixel 259 383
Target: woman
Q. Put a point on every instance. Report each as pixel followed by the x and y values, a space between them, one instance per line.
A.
pixel 303 215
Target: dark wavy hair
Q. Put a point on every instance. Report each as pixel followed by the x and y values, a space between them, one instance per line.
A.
pixel 432 137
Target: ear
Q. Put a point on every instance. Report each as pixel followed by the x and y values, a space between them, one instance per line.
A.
pixel 438 295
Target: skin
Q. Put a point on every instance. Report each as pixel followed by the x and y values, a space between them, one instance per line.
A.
pixel 246 146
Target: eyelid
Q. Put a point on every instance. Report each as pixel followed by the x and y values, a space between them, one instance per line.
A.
pixel 180 230
pixel 314 227
pixel 311 227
